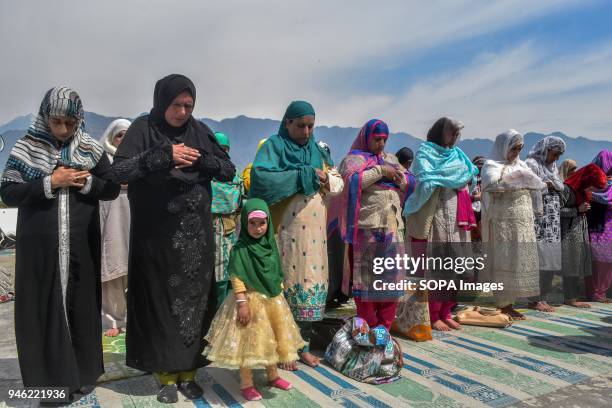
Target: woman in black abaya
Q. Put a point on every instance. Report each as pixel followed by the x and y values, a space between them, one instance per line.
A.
pixel 56 174
pixel 169 158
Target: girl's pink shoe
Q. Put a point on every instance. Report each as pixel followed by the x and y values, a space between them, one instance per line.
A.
pixel 282 384
pixel 251 394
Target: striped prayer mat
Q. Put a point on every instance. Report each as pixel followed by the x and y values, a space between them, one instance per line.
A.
pixel 474 367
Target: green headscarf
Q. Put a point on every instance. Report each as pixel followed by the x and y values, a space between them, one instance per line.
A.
pixel 256 261
pixel 282 167
pixel 222 139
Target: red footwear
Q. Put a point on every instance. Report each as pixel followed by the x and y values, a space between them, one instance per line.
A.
pixel 282 384
pixel 251 394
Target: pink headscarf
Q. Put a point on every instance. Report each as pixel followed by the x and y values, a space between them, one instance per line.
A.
pixel 257 214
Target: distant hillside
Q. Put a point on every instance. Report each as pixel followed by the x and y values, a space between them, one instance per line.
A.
pixel 246 132
pixel 20 122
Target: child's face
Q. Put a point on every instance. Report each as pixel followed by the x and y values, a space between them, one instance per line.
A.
pixel 257 227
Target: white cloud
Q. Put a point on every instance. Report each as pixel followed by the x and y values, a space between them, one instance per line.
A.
pixel 252 58
pixel 520 88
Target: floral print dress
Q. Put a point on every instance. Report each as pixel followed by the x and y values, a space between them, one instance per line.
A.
pixel 302 242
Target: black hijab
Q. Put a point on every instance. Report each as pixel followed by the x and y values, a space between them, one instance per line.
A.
pixel 166 89
pixel 153 130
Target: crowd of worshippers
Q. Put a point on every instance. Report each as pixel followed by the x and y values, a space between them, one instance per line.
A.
pixel 153 228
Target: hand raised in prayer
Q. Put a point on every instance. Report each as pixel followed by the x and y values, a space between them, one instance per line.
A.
pixel 393 174
pixel 64 176
pixel 184 156
pixel 388 171
pixel 399 177
pixel 244 313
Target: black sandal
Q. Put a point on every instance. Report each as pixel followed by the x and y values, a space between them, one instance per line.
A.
pixel 190 389
pixel 47 403
pixel 167 394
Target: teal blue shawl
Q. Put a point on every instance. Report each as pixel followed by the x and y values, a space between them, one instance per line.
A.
pixel 226 196
pixel 436 166
pixel 282 167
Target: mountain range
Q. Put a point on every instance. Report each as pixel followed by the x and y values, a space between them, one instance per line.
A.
pixel 245 133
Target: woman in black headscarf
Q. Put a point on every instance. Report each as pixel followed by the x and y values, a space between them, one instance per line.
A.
pixel 169 158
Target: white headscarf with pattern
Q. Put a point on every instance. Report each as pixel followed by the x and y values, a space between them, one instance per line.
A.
pixel 536 160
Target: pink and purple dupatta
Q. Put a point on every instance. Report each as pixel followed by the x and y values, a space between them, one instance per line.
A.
pixel 345 210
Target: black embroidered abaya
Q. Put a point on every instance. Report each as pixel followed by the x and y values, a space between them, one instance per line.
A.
pixel 170 276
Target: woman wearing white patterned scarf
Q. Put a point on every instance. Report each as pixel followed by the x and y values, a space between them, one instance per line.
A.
pixel 511 194
pixel 542 160
pixel 56 174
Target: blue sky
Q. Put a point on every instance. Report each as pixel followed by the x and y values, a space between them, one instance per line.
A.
pixel 564 31
pixel 532 65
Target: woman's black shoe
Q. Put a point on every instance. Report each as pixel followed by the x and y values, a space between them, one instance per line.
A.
pixel 46 403
pixel 86 389
pixel 167 394
pixel 190 389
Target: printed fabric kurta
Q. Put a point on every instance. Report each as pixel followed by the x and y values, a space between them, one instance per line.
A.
pixel 548 224
pixel 444 227
pixel 548 233
pixel 302 243
pixel 511 245
pixel 445 239
pixel 576 258
pixel 381 230
pixel 601 255
pixel 376 204
pixel 224 242
pixel 285 176
pixel 601 241
pixel 58 305
pixel 226 201
pixel 600 231
pixel 511 195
